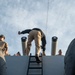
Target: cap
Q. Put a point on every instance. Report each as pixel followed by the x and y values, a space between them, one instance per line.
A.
pixel 2 36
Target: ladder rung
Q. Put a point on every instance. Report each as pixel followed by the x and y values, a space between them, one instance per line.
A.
pixel 34 74
pixel 35 67
pixel 34 56
pixel 34 61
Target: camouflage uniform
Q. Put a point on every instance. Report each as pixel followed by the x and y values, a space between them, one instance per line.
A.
pixel 3 46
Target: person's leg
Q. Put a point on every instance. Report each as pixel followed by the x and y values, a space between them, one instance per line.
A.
pixel 38 45
pixel 30 39
pixel 2 67
pixel 37 39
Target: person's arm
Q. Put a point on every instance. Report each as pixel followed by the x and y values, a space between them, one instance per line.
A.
pixel 24 32
pixel 6 49
pixel 43 43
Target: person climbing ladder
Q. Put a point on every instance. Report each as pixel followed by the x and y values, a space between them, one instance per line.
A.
pixel 37 35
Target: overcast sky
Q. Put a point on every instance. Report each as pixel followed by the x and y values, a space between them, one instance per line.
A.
pixel 18 15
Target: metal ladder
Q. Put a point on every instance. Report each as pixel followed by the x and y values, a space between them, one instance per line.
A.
pixel 33 67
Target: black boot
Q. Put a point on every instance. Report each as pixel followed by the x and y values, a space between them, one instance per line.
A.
pixel 37 59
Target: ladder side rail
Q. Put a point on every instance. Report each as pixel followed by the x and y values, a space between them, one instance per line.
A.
pixel 42 63
pixel 28 65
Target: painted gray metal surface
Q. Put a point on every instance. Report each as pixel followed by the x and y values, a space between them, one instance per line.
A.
pixel 16 65
pixel 52 65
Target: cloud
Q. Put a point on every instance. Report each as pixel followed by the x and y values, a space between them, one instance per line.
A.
pixel 18 15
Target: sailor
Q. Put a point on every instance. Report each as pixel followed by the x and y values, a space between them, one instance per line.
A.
pixel 3 52
pixel 37 35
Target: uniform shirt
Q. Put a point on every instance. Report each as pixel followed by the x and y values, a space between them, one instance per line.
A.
pixel 3 48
